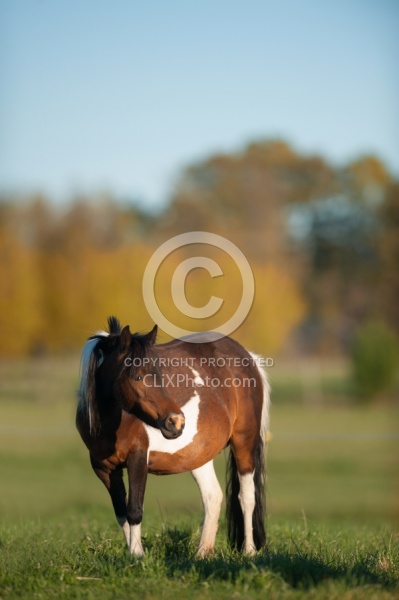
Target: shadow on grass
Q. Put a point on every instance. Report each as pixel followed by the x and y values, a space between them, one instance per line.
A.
pixel 296 569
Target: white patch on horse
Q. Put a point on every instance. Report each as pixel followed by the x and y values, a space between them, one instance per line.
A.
pixel 212 497
pixel 197 378
pixel 133 536
pixel 157 443
pixel 125 528
pixel 247 501
pixel 135 545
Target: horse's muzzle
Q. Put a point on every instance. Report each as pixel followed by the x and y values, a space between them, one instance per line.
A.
pixel 173 426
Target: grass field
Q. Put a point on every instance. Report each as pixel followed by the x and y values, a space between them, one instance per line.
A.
pixel 332 498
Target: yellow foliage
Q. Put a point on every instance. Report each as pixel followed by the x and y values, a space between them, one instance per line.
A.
pixel 278 306
pixel 20 311
pixel 81 293
pixel 53 301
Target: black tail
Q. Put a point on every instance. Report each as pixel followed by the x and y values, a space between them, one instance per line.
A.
pixel 234 515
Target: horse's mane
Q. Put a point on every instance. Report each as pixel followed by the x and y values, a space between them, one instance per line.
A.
pixel 93 353
pixel 114 326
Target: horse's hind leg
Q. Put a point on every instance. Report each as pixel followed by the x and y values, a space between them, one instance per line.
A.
pixel 247 469
pixel 246 497
pixel 212 497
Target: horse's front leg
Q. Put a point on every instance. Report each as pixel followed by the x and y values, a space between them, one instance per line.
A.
pixel 113 481
pixel 137 469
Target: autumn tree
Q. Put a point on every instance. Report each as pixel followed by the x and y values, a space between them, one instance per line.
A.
pixel 322 242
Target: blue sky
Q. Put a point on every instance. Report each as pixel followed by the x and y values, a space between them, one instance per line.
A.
pixel 119 96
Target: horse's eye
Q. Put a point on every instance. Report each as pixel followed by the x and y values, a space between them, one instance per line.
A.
pixel 139 378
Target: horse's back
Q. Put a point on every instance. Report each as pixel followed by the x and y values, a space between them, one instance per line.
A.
pixel 218 386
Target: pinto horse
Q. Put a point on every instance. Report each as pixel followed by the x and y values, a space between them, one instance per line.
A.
pixel 171 408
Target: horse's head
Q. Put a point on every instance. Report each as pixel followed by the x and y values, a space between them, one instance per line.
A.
pixel 129 368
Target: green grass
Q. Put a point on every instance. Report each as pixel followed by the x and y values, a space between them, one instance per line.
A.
pixel 82 556
pixel 332 498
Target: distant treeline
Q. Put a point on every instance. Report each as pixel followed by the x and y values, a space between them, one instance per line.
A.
pixel 323 243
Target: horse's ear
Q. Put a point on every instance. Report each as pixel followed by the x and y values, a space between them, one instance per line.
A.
pixel 152 336
pixel 126 338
